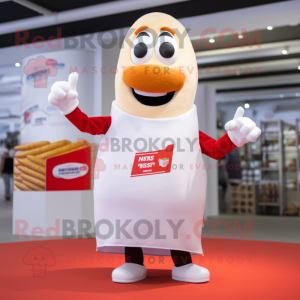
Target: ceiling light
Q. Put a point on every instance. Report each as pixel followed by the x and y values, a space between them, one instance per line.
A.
pixel 240 36
pixel 17 64
pixel 298 67
pixel 247 105
pixel 211 41
pixel 284 52
pixel 270 28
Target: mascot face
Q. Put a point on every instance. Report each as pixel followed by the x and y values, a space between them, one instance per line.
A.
pixel 157 69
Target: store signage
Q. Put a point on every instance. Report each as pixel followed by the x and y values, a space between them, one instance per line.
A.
pixel 70 170
pixel 152 163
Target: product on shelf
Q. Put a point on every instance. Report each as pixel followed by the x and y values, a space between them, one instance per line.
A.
pixel 292 142
pixel 264 197
pixel 292 166
pixel 243 199
pixel 292 209
pixel 269 192
pixel 292 184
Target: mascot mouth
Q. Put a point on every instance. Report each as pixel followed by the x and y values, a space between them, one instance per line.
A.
pixel 152 99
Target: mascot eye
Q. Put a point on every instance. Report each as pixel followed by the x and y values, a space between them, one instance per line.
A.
pixel 142 48
pixel 166 48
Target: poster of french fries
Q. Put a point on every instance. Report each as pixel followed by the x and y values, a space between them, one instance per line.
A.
pixel 43 166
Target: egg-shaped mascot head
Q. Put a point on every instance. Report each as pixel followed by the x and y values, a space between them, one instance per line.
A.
pixel 159 70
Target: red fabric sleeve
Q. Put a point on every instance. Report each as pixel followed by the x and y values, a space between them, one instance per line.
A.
pixel 215 149
pixel 95 125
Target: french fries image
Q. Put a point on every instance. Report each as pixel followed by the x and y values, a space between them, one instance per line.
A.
pixel 32 186
pixel 37 160
pixel 18 178
pixel 22 186
pixel 59 151
pixel 43 149
pixel 27 163
pixel 31 146
pixel 32 173
pixel 17 172
pixel 82 147
pixel 30 163
pixel 34 180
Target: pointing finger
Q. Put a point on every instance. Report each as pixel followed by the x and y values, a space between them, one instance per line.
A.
pixel 254 134
pixel 52 100
pixel 63 85
pixel 243 121
pixel 239 113
pixel 247 128
pixel 72 95
pixel 231 125
pixel 73 78
pixel 58 92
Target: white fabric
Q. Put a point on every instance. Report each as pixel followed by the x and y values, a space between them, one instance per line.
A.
pixel 190 273
pixel 242 130
pixel 178 195
pixel 128 273
pixel 63 94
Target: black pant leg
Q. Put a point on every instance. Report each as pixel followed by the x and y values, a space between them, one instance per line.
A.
pixel 181 258
pixel 134 255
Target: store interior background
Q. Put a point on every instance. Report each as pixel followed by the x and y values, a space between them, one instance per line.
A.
pixel 270 96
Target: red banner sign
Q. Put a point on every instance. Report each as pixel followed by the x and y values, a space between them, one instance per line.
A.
pixel 69 172
pixel 152 163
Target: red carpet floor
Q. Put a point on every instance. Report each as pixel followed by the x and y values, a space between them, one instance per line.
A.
pixel 239 270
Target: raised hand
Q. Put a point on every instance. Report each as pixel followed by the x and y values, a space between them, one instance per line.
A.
pixel 64 95
pixel 242 130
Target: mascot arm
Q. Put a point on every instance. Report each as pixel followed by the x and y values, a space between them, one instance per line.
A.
pixel 94 126
pixel 215 149
pixel 64 96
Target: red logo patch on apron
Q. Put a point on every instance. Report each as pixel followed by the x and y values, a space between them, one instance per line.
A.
pixel 152 163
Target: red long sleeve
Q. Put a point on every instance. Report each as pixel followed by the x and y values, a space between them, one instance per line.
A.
pixel 95 125
pixel 215 149
pixel 100 125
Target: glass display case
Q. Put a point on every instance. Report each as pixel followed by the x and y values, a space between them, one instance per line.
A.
pixel 271 188
pixel 290 157
pixel 279 186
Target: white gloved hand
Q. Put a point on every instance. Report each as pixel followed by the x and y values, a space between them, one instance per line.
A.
pixel 242 130
pixel 63 94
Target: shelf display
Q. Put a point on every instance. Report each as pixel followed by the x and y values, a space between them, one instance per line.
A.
pixel 280 162
pixel 291 206
pixel 269 192
pixel 296 182
pixel 243 199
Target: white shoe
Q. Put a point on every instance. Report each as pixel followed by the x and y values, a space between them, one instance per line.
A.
pixel 190 273
pixel 129 272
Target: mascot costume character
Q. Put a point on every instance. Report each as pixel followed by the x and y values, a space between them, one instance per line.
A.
pixel 153 204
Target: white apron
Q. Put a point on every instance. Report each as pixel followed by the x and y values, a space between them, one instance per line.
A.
pixel 146 197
